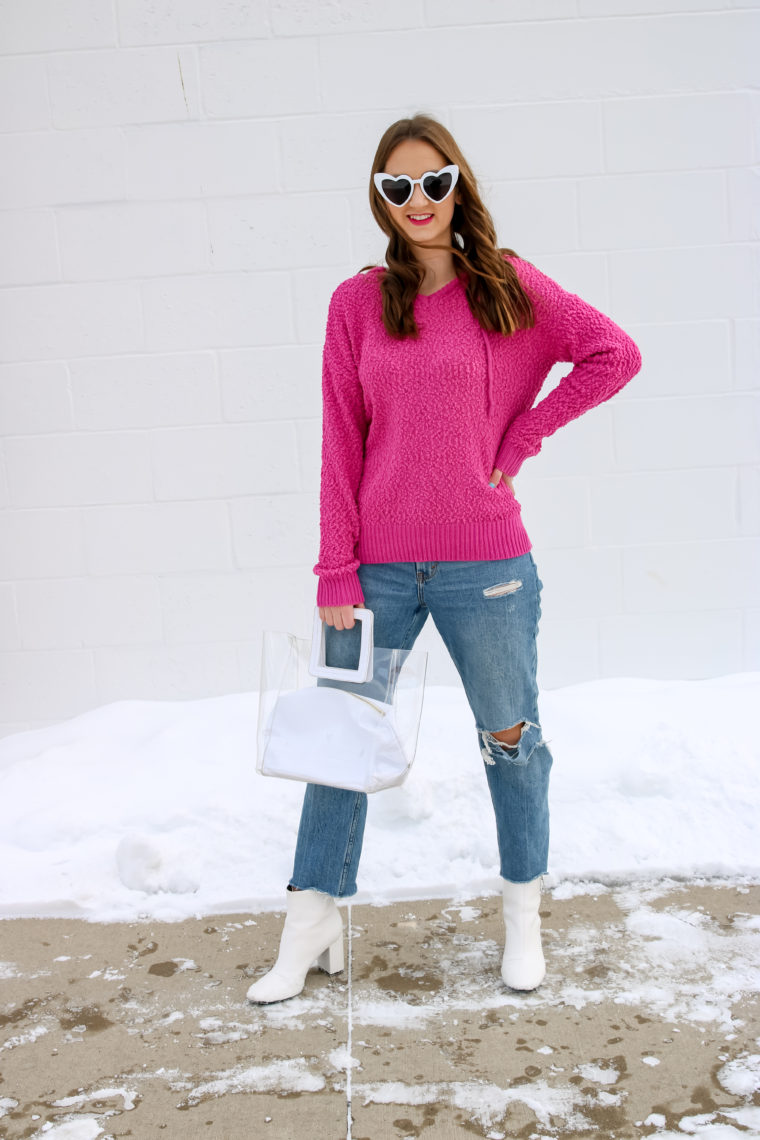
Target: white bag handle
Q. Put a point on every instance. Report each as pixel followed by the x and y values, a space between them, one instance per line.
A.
pixel 364 671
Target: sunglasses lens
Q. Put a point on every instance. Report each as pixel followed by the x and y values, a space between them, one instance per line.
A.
pixel 397 190
pixel 437 186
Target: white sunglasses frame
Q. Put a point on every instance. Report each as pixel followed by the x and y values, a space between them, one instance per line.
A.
pixel 378 179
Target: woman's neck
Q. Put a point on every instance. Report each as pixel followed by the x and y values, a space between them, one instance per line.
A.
pixel 437 274
pixel 439 270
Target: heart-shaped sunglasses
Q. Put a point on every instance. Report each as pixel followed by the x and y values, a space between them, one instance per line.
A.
pixel 436 185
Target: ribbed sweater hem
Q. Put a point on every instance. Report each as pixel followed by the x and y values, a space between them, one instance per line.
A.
pixel 445 542
pixel 425 542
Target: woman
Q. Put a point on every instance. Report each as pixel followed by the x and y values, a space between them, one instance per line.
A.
pixel 430 371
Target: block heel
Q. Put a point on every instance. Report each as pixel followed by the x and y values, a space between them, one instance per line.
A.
pixel 332 960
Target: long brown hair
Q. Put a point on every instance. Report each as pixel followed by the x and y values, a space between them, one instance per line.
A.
pixel 495 294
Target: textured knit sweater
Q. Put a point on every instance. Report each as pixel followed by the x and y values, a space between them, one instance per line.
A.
pixel 412 429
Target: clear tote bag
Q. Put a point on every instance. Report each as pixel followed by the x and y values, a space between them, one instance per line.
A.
pixel 353 727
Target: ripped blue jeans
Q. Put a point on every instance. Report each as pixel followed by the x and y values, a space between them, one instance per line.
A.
pixel 487 614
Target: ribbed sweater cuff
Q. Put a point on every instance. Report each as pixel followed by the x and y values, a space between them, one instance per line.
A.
pixel 340 590
pixel 509 459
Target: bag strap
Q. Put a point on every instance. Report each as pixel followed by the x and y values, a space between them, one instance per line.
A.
pixel 364 671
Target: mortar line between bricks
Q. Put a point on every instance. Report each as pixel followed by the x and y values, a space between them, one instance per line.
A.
pixel 349 1044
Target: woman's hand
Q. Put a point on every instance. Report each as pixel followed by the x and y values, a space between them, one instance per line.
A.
pixel 496 475
pixel 341 617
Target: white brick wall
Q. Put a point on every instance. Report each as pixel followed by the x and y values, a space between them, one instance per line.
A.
pixel 185 182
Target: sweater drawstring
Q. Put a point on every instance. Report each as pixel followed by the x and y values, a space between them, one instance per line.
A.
pixel 489 371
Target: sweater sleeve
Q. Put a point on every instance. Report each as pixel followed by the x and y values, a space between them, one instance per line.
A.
pixel 605 359
pixel 344 430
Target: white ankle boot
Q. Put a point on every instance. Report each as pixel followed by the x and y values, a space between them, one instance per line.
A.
pixel 313 930
pixel 523 966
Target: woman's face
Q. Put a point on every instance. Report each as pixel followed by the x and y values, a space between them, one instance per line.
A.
pixel 414 157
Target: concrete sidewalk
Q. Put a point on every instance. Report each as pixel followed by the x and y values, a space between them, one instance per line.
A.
pixel 647 1024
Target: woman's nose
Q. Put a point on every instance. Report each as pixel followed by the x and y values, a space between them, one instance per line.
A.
pixel 418 201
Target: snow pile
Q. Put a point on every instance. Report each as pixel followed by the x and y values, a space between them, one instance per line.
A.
pixel 154 808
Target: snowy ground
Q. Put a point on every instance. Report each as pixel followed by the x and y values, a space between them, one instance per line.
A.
pixel 647 1024
pixel 154 811
pixel 154 808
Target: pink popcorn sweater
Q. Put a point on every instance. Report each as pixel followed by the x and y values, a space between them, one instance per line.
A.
pixel 412 429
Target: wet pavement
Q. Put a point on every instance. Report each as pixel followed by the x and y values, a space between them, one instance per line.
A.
pixel 647 1024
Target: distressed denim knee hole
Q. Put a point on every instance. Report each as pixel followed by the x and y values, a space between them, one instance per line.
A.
pixel 492 749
